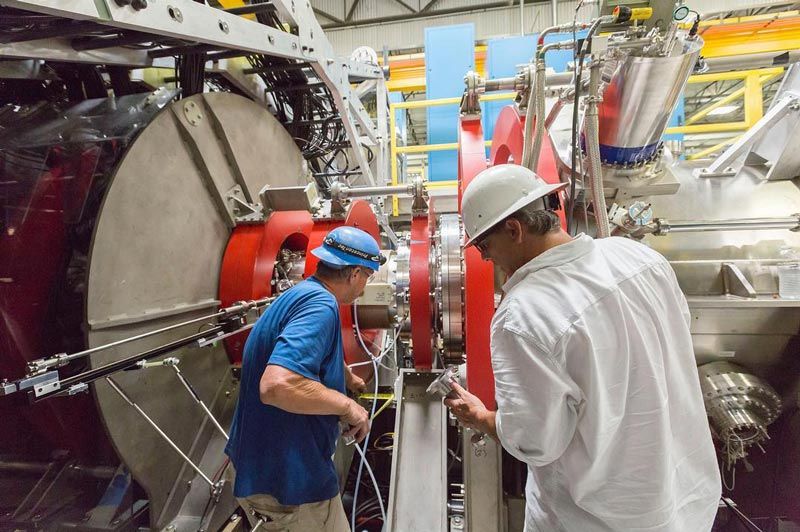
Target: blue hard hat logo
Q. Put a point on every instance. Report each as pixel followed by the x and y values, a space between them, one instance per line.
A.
pixel 348 246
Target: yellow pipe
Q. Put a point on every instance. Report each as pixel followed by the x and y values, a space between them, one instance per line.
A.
pixel 425 103
pixel 741 74
pixel 702 113
pixel 393 153
pixel 425 148
pixel 709 128
pixel 712 149
pixel 441 184
pixel 739 20
pixel 753 100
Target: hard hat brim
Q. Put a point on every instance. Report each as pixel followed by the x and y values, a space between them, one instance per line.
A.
pixel 519 204
pixel 336 262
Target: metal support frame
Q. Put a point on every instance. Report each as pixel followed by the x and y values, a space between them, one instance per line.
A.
pixel 216 487
pixel 721 167
pixel 214 29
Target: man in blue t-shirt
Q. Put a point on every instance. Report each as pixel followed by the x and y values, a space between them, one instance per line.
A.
pixel 292 394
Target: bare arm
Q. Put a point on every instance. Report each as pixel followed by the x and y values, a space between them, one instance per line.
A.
pixel 290 391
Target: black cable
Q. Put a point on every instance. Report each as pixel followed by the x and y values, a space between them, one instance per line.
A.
pixel 574 141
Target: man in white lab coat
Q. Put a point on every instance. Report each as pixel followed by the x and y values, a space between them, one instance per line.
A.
pixel 596 383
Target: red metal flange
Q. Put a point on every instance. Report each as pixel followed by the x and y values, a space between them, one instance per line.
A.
pixel 249 260
pixel 250 257
pixel 420 293
pixel 478 273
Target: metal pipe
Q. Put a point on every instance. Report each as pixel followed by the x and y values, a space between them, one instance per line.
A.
pixel 161 433
pixel 529 119
pixel 365 192
pixel 532 161
pixel 37 366
pixel 563 28
pixel 593 152
pixel 500 84
pixel 198 400
pixel 554 11
pixel 126 363
pixel 664 227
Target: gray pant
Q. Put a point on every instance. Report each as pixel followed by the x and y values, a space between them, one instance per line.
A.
pixel 324 516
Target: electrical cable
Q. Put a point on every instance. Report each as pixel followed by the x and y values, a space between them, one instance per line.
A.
pixel 573 142
pixel 373 413
pixel 383 407
pixel 363 456
pixel 377 489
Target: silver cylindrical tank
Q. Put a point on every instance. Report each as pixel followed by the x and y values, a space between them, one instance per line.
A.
pixel 639 98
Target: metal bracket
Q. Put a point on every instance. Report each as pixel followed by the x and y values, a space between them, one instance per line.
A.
pixel 735 283
pixel 242 210
pixel 420 203
pixel 299 198
pixel 470 100
pixel 41 384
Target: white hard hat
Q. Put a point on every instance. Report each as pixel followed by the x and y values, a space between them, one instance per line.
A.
pixel 496 193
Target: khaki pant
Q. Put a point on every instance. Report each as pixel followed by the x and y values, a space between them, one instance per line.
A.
pixel 325 516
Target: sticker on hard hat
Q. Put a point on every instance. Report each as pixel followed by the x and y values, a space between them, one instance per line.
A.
pixel 355 252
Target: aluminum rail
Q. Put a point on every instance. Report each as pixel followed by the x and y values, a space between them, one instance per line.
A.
pixel 38 366
pixel 664 227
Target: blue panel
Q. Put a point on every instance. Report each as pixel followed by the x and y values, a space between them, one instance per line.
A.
pixel 449 54
pixel 502 58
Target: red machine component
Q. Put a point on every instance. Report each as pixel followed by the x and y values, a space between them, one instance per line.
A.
pixel 420 293
pixel 478 273
pixel 507 145
pixel 249 262
pixel 359 215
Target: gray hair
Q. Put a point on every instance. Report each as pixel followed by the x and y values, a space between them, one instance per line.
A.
pixel 333 274
pixel 537 220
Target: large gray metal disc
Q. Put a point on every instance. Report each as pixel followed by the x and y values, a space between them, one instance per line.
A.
pixel 155 260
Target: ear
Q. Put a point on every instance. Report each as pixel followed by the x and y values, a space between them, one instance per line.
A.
pixel 514 228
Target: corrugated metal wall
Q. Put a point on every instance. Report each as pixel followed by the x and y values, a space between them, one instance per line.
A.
pixel 488 23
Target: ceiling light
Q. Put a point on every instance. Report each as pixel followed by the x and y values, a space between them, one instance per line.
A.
pixel 724 110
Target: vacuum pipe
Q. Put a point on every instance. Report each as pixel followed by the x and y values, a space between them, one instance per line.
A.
pixel 664 227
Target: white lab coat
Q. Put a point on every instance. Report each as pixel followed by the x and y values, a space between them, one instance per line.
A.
pixel 598 392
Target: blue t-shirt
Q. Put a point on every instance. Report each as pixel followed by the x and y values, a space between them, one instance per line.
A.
pixel 274 451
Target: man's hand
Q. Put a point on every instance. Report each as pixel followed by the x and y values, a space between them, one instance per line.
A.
pixel 355 383
pixel 358 420
pixel 470 411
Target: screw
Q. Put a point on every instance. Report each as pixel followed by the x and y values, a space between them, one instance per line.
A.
pixel 271 39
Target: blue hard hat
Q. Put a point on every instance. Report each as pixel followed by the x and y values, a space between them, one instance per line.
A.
pixel 348 246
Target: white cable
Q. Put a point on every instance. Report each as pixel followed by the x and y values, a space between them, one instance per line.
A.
pixel 366 438
pixel 374 483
